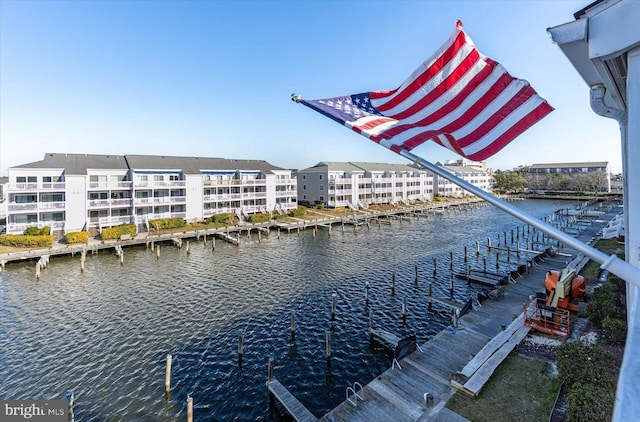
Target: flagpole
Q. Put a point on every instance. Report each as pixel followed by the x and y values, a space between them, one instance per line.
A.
pixel 611 263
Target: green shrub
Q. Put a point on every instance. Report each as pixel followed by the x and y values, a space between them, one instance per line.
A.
pixel 36 231
pixel 591 375
pixel 298 212
pixel 320 206
pixel 588 403
pixel 280 216
pixel 167 223
pixel 113 233
pixel 259 218
pixel 223 218
pixel 614 330
pixel 603 303
pixel 26 241
pixel 77 237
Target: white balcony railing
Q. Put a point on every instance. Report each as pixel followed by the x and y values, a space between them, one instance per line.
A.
pixel 249 195
pixel 120 185
pixel 22 207
pixel 160 184
pixel 51 205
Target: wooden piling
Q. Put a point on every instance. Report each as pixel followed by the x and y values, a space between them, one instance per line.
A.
pixel 370 317
pixel 38 270
pixel 393 284
pixel 188 248
pixel 328 344
pixel 429 296
pixel 451 284
pixel 158 252
pixel 167 376
pixel 435 266
pixel 465 254
pixel 189 409
pixel 70 399
pixel 366 293
pixel 484 264
pixel 451 261
pixel 415 270
pixel 240 345
pixel 404 309
pixel 477 248
pixel 270 376
pixel 152 246
pixel 293 325
pixel 121 256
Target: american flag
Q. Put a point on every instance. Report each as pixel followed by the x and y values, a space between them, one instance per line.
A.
pixel 458 98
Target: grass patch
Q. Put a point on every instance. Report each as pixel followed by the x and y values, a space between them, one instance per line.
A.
pixel 609 247
pixel 519 386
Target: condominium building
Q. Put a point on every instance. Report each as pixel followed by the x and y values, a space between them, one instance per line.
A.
pixel 580 176
pixel 71 192
pixel 357 184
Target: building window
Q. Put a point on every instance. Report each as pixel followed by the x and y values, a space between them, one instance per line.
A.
pixel 304 177
pixel 321 187
pixel 321 198
pixel 321 176
pixel 32 179
pixel 173 177
pixel 158 177
pixel 304 187
pixel 21 179
pixel 304 197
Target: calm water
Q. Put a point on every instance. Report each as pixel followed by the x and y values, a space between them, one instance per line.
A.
pixel 105 333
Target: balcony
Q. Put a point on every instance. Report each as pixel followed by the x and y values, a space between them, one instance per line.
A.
pixel 22 186
pixel 102 203
pixel 159 200
pixel 250 195
pixel 111 185
pixel 22 207
pixel 53 186
pixel 290 182
pixel 52 205
pixel 280 193
pixel 160 184
pixel 114 220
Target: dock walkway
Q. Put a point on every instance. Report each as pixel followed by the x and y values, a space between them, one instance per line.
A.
pixel 419 390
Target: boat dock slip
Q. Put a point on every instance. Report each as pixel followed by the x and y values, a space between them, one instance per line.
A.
pixel 401 346
pixel 290 403
pixel 416 389
pixel 484 277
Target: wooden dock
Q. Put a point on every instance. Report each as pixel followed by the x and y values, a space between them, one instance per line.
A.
pixel 484 277
pixel 417 390
pixel 289 402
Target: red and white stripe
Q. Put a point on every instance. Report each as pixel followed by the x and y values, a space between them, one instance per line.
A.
pixel 457 98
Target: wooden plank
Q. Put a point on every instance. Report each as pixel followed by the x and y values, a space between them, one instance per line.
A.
pixel 447 302
pixel 491 347
pixel 290 403
pixel 386 336
pixel 482 375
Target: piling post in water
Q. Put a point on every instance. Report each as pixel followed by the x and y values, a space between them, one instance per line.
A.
pixel 278 233
pixel 270 376
pixel 429 296
pixel 508 255
pixel 167 376
pixel 435 266
pixel 333 307
pixel 393 284
pixel 468 275
pixel 293 325
pixel 465 254
pixel 188 248
pixel 477 248
pixel 370 317
pixel 38 270
pixel 404 309
pixel 313 232
pixel 484 264
pixel 69 396
pixel 455 318
pixel 152 246
pixel 366 293
pixel 488 243
pixel 497 261
pixel 240 345
pixel 415 270
pixel 451 284
pixel 328 344
pixel 259 236
pixel 158 252
pixel 451 261
pixel 189 409
pixel 121 256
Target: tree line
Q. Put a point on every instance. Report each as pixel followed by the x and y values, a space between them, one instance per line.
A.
pixel 514 181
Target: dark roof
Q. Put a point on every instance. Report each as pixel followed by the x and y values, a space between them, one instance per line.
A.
pixel 78 163
pixel 196 165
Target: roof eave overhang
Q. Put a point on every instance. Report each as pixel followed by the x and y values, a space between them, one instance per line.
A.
pixel 595 50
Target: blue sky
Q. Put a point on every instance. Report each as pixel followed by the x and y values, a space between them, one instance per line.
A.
pixel 213 78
